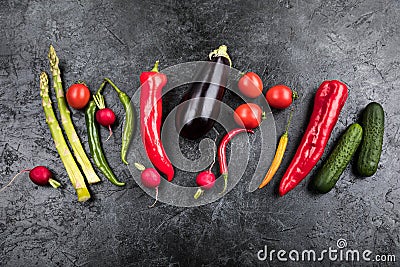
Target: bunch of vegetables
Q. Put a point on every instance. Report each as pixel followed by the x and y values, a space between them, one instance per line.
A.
pixel 328 103
pixel 194 119
pixel 105 117
pixel 250 115
pixel 368 137
pixel 78 96
pixel 201 104
pixel 329 100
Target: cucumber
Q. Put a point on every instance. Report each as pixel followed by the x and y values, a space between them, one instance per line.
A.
pixel 329 173
pixel 373 121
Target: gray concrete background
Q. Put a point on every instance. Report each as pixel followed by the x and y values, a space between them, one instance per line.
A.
pixel 299 43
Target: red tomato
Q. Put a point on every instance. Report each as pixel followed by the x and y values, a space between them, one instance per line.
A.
pixel 279 96
pixel 248 115
pixel 250 85
pixel 78 95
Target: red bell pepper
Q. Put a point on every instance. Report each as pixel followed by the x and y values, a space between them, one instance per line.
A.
pixel 328 102
pixel 150 119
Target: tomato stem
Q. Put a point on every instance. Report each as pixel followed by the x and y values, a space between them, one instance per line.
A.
pixel 263 115
pixel 295 95
pixel 81 82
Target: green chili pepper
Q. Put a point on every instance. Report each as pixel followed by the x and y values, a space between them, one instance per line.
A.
pixel 94 142
pixel 129 120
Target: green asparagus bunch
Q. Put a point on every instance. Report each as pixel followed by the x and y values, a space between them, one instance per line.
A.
pixel 68 160
pixel 66 121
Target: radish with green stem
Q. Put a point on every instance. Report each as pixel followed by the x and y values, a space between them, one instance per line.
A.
pixel 104 116
pixel 39 175
pixel 150 178
pixel 206 179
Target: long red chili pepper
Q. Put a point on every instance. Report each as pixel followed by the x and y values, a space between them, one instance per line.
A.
pixel 329 100
pixel 150 119
pixel 223 165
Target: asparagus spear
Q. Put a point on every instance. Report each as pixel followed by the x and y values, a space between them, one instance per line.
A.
pixel 66 121
pixel 68 160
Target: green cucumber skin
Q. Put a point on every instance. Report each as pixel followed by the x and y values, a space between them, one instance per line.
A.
pixel 330 172
pixel 373 122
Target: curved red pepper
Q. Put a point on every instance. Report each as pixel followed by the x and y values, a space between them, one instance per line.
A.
pixel 150 119
pixel 223 165
pixel 329 100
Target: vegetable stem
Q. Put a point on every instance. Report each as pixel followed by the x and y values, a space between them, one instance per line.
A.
pixel 155 68
pixel 113 84
pixel 221 51
pixel 295 95
pixel 101 87
pixel 139 166
pixel 66 121
pixel 198 193
pixel 99 100
pixel 54 183
pixel 289 120
pixel 68 160
pixel 225 176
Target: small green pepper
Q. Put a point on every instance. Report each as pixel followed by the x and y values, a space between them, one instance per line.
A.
pixel 94 142
pixel 129 120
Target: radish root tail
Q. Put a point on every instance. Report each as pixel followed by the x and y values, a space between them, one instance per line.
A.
pixel 12 180
pixel 151 206
pixel 109 128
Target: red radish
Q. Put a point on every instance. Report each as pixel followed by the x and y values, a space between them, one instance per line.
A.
pixel 206 180
pixel 39 175
pixel 104 116
pixel 150 178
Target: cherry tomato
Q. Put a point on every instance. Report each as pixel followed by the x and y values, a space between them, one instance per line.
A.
pixel 250 85
pixel 248 115
pixel 78 95
pixel 279 96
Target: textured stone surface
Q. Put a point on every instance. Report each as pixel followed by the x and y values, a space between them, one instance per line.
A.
pixel 299 43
